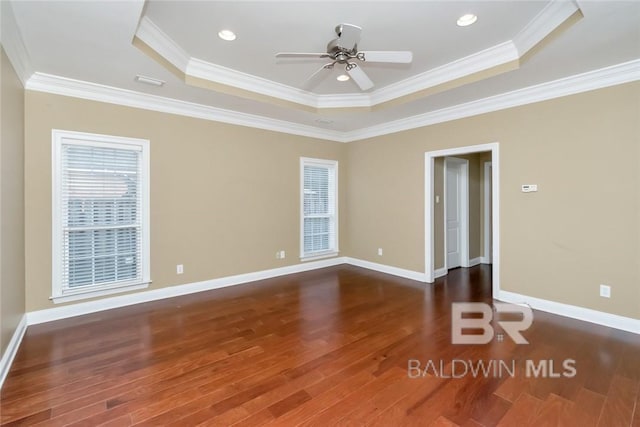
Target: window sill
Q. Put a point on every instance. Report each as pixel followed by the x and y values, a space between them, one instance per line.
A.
pixel 318 256
pixel 57 299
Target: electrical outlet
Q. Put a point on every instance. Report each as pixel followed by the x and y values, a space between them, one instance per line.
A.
pixel 179 269
pixel 605 291
pixel 282 255
pixel 380 251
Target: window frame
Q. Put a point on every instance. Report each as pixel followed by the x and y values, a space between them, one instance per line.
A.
pixel 64 137
pixel 331 165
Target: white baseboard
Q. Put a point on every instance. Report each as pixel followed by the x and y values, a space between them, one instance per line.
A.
pixel 383 268
pixel 440 272
pixel 12 348
pixel 65 311
pixel 574 312
pixel 475 261
pixel 485 260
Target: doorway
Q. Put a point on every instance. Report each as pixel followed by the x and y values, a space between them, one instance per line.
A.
pixel 430 200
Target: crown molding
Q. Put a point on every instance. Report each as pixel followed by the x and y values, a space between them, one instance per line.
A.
pixel 164 45
pixel 13 43
pixel 543 24
pixel 218 74
pixel 167 48
pixel 508 52
pixel 494 56
pixel 591 80
pixel 597 79
pixel 57 85
pixel 489 58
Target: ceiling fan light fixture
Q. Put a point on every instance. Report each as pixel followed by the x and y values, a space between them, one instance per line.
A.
pixel 466 20
pixel 342 78
pixel 227 35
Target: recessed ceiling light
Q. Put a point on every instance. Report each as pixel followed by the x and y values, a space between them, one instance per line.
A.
pixel 227 35
pixel 342 78
pixel 467 19
pixel 149 80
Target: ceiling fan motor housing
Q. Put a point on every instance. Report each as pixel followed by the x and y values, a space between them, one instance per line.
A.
pixel 340 53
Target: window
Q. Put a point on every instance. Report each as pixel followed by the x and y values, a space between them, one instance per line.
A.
pixel 319 227
pixel 100 215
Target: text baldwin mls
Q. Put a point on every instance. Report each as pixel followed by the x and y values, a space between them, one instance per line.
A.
pixel 495 368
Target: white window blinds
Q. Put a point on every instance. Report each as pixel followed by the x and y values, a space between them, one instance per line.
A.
pixel 101 203
pixel 319 231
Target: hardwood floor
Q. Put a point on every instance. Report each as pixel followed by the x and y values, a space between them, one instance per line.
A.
pixel 326 347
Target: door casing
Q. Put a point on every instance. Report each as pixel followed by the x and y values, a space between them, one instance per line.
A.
pixel 486 255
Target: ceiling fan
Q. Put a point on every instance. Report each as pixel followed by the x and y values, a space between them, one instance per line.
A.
pixel 344 51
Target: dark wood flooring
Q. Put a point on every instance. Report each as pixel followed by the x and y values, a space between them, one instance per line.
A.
pixel 327 347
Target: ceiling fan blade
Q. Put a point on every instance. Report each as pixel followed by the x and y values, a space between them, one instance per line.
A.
pixel 318 76
pixel 349 36
pixel 359 77
pixel 398 57
pixel 301 55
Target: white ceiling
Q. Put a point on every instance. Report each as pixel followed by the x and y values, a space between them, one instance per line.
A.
pixel 91 41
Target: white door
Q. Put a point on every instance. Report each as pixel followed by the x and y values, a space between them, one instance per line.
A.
pixel 453 214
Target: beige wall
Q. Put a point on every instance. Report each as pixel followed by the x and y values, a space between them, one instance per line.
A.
pixel 581 229
pixel 224 198
pixel 12 292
